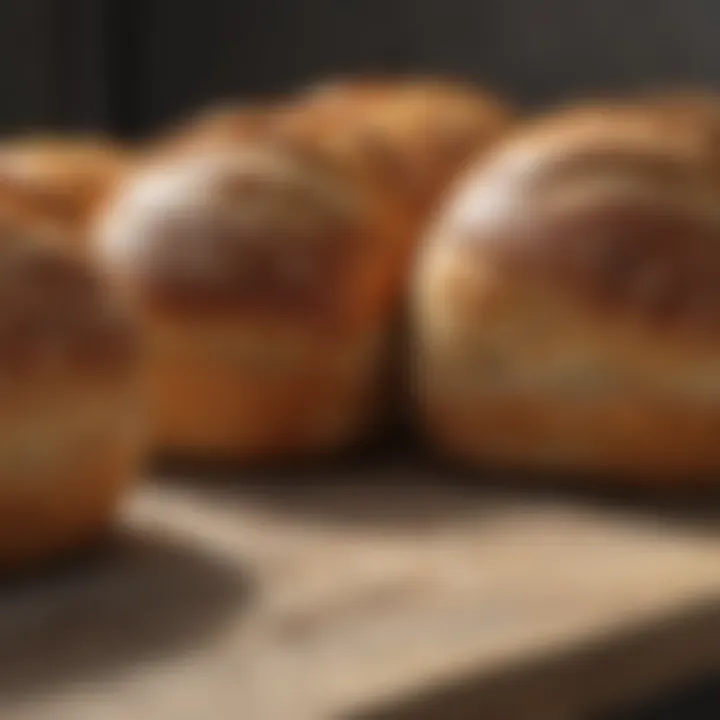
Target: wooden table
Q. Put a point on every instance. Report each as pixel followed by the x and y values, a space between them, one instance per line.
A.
pixel 386 593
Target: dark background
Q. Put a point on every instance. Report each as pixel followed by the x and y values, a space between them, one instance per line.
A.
pixel 129 66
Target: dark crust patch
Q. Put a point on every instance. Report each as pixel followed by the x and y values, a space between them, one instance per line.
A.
pixel 54 308
pixel 277 274
pixel 627 259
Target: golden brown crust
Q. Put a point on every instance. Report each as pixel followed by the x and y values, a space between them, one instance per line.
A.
pixel 605 206
pixel 65 507
pixel 225 390
pixel 567 304
pixel 246 232
pixel 629 440
pixel 56 305
pixel 71 383
pixel 408 136
pixel 267 286
pixel 696 112
pixel 60 180
pixel 32 529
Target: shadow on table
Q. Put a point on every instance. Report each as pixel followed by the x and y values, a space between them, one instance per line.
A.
pixel 135 598
pixel 408 488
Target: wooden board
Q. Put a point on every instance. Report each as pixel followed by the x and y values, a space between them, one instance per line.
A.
pixel 389 593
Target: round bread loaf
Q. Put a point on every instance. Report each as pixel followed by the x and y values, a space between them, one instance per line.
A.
pixel 407 136
pixel 267 290
pixel 567 304
pixel 71 388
